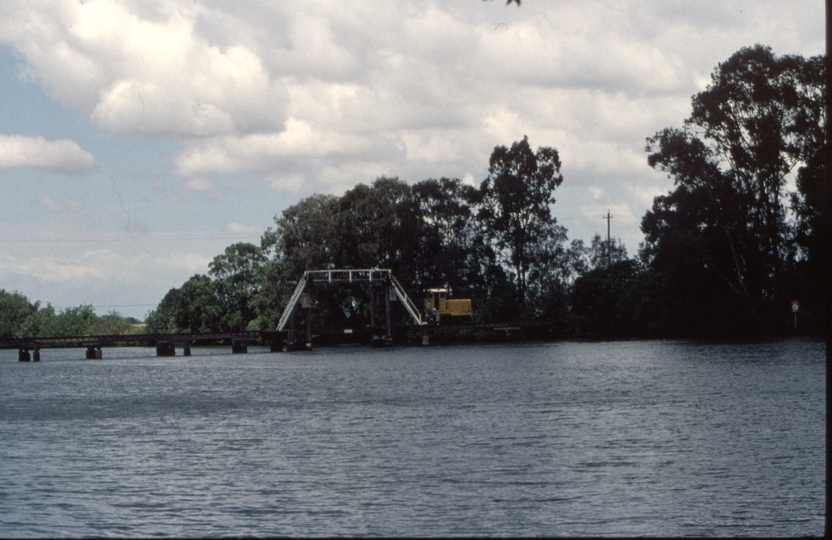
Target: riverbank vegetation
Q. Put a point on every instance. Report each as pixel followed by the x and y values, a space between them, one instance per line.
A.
pixel 726 251
pixel 21 318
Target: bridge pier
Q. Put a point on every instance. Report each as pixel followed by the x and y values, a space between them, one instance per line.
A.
pixel 94 353
pixel 381 341
pixel 165 349
pixel 239 347
pixel 298 346
pixel 23 355
pixel 298 341
pixel 36 355
pixel 186 349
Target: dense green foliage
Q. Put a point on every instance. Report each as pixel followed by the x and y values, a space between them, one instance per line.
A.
pixel 21 318
pixel 497 243
pixel 227 300
pixel 732 254
pixel 741 234
pixel 621 300
pixel 515 213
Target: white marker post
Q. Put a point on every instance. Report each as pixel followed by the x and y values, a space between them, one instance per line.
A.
pixel 795 309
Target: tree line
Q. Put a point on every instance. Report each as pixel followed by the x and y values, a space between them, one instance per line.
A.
pixel 21 318
pixel 739 237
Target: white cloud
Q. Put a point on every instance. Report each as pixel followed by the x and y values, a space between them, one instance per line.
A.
pixel 287 91
pixel 140 69
pixel 199 184
pixel 237 228
pixel 319 95
pixel 61 155
pixel 66 276
pixel 289 183
pixel 644 193
pixel 206 187
pixel 66 206
pixel 100 264
pixel 172 198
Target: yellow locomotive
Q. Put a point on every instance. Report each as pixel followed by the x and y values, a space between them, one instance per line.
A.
pixel 442 310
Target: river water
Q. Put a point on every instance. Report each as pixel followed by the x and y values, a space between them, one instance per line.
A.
pixel 656 438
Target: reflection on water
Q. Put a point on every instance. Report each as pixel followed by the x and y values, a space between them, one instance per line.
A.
pixel 625 438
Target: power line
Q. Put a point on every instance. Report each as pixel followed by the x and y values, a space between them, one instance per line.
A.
pixel 589 215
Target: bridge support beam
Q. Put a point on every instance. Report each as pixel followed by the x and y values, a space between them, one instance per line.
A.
pixel 372 306
pixel 36 355
pixel 94 353
pixel 239 347
pixel 165 349
pixel 23 355
pixel 309 328
pixel 388 317
pixel 298 340
pixel 382 335
pixel 298 343
pixel 375 277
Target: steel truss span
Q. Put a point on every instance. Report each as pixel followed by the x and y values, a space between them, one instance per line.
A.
pixel 348 276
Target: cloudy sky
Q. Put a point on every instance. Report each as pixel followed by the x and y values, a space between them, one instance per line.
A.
pixel 139 138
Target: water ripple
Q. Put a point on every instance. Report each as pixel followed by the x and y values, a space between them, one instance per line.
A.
pixel 663 438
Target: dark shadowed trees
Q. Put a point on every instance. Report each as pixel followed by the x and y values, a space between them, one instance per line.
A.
pixel 375 226
pixel 446 210
pixel 749 132
pixel 515 211
pixel 621 300
pixel 193 307
pixel 379 227
pixel 238 275
pixel 304 237
pixel 598 254
pixel 14 310
pixel 496 244
pixel 725 250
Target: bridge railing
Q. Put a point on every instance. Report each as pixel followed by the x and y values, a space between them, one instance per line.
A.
pixel 290 305
pixel 406 301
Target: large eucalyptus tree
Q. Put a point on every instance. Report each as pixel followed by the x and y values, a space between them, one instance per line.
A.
pixel 515 211
pixel 756 124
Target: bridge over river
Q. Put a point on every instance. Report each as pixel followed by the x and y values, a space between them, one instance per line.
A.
pixel 166 344
pixel 29 349
pixel 294 329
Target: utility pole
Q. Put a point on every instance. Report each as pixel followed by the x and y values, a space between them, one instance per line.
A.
pixel 608 217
